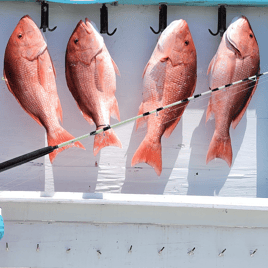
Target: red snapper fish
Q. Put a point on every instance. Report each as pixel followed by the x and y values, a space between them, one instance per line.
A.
pixel 90 74
pixel 30 76
pixel 237 58
pixel 169 76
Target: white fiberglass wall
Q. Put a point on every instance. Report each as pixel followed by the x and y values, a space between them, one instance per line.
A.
pixel 184 153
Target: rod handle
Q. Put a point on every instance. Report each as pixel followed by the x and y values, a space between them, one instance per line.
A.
pixel 26 158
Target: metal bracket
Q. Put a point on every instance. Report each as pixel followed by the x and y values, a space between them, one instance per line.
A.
pixel 44 17
pixel 104 21
pixel 221 21
pixel 162 18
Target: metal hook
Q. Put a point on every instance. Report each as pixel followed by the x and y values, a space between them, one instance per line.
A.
pixel 221 21
pixel 104 21
pixel 160 251
pixel 221 253
pixel 191 252
pixel 44 17
pixel 130 249
pixel 253 252
pixel 162 18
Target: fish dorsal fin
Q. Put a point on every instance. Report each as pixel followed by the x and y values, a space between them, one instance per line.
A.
pixel 144 71
pixel 210 65
pixel 115 110
pixel 115 67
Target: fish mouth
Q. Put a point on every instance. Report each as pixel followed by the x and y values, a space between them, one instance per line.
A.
pixel 85 25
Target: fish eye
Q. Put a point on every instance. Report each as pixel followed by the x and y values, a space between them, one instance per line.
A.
pixel 251 36
pixel 76 40
pixel 186 43
pixel 19 35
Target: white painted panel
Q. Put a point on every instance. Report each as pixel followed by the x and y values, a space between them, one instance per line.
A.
pixel 67 231
pixel 184 169
pixel 76 245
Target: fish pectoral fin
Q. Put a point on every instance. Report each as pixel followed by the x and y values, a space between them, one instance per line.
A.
pixel 239 116
pixel 115 110
pixel 115 67
pixel 175 58
pixel 99 75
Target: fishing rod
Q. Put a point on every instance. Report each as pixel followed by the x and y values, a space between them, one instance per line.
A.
pixel 49 149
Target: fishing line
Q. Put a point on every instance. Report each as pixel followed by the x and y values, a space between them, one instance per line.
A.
pixel 142 130
pixel 219 92
pixel 46 150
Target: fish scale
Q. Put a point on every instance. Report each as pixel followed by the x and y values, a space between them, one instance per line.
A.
pixel 237 57
pixel 90 75
pixel 169 76
pixel 32 82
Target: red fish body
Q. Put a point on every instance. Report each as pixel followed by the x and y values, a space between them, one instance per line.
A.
pixel 30 76
pixel 169 76
pixel 90 74
pixel 237 58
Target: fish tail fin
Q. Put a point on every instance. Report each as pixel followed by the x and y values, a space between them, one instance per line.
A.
pixel 150 153
pixel 59 137
pixel 107 138
pixel 220 148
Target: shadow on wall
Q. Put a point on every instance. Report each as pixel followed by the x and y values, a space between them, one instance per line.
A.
pixel 262 145
pixel 208 180
pixel 76 170
pixel 142 179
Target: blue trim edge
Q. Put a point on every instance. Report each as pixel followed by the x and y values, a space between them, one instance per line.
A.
pixel 2 231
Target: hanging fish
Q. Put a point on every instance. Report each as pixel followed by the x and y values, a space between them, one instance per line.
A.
pixel 237 58
pixel 30 76
pixel 169 76
pixel 90 74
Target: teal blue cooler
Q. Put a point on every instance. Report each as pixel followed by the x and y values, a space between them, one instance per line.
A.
pixel 1 226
